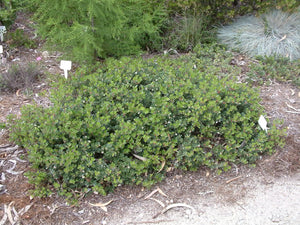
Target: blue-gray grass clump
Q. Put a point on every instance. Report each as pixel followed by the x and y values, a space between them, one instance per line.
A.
pixel 275 33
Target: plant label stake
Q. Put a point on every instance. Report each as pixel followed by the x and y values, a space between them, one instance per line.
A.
pixel 2 31
pixel 1 55
pixel 65 65
pixel 263 123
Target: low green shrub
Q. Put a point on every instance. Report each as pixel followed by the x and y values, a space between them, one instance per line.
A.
pixel 19 39
pixel 7 12
pixel 281 69
pixel 133 119
pixel 2 125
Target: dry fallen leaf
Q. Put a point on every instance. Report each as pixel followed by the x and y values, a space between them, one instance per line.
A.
pixel 162 166
pixel 18 92
pixel 140 157
pixel 102 205
pixel 284 37
pixel 169 169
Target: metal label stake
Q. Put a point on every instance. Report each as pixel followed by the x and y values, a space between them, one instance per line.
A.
pixel 2 31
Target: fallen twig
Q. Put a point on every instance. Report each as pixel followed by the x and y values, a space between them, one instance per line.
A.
pixel 293 112
pixel 156 222
pixel 9 149
pixel 161 192
pixel 173 206
pixel 206 193
pixel 153 192
pixel 298 110
pixel 159 202
pixel 233 179
pixel 8 212
pixel 24 210
pixel 10 170
pixel 16 218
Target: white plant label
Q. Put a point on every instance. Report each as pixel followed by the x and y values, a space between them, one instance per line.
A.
pixel 2 31
pixel 263 123
pixel 65 65
pixel 1 49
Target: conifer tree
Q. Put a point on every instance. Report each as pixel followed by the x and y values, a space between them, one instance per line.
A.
pixel 97 28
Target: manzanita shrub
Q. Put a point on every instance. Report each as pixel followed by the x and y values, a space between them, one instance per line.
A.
pixel 132 120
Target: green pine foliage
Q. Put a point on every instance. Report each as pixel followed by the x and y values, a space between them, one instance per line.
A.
pixel 133 119
pixel 98 28
pixel 8 10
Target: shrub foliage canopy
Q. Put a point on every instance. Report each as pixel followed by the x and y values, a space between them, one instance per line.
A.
pixel 132 120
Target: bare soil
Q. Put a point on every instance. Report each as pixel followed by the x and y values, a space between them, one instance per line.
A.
pixel 266 194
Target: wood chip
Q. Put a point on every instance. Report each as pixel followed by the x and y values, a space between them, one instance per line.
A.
pixel 4 218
